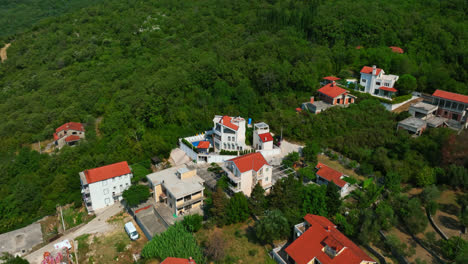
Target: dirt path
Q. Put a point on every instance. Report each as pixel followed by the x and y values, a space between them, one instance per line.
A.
pixel 96 125
pixel 97 225
pixel 3 53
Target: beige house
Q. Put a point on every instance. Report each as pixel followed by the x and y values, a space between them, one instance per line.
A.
pixel 69 134
pixel 246 171
pixel 179 188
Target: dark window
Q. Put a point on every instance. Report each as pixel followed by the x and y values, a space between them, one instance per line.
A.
pixel 363 80
pixel 455 117
pixel 460 107
pixel 377 83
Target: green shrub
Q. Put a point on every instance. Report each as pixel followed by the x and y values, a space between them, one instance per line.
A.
pixel 136 194
pixel 192 223
pixel 120 246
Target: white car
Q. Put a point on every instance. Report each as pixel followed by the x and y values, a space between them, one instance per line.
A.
pixel 131 231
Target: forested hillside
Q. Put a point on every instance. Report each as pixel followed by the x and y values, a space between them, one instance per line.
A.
pixel 19 15
pixel 159 70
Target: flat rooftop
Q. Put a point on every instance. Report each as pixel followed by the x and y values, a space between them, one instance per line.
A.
pixel 435 121
pixel 424 106
pixel 413 122
pixel 261 125
pixel 177 187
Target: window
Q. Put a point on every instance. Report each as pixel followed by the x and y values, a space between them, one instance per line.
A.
pixel 126 184
pixel 363 80
pixel 447 103
pixel 454 105
pixel 377 83
pixel 442 102
pixel 386 84
pixel 266 179
pixel 455 117
pixel 460 107
pixel 115 187
pixel 113 179
pixel 106 191
pixel 376 91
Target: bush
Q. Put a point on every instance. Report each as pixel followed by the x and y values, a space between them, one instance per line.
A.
pixel 136 194
pixel 193 223
pixel 272 227
pixel 188 144
pixel 120 246
pixel 176 242
pixel 140 170
pixel 253 252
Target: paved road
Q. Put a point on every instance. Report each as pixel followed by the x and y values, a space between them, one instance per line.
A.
pixel 97 225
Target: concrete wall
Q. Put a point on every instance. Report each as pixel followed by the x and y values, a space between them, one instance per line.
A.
pixel 192 154
pixel 101 192
pixel 271 152
pixel 391 107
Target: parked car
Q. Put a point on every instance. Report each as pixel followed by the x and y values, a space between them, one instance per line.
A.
pixel 131 231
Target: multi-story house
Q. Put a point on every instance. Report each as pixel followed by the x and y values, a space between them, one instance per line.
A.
pixel 246 171
pixel 377 83
pixel 179 188
pixel 334 95
pixel 262 138
pixel 229 133
pixel 451 106
pixel 325 175
pixel 318 241
pixel 103 186
pixel 68 134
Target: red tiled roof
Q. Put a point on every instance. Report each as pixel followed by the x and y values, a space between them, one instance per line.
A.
pixel 332 90
pixel 203 145
pixel 331 78
pixel 388 89
pixel 359 47
pixel 171 260
pixel 56 136
pixel 323 233
pixel 330 174
pixel 107 172
pixel 252 161
pixel 70 125
pixel 226 120
pixel 368 70
pixel 451 96
pixel 397 49
pixel 265 137
pixel 298 109
pixel 72 138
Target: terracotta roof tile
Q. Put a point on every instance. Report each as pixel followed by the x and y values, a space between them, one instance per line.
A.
pixel 72 138
pixel 70 125
pixel 171 260
pixel 397 49
pixel 332 90
pixel 107 172
pixel 252 161
pixel 451 96
pixel 330 174
pixel 323 233
pixel 368 70
pixel 226 120
pixel 203 145
pixel 331 78
pixel 265 137
pixel 388 89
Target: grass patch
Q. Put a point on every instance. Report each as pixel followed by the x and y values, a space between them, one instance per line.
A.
pixel 83 246
pixel 73 217
pixel 241 244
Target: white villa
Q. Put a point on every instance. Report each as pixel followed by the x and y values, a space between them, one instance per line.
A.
pixel 101 187
pixel 246 171
pixel 377 83
pixel 229 133
pixel 262 138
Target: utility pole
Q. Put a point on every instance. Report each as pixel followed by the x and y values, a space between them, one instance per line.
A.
pixel 61 215
pixel 40 152
pixel 281 139
pixel 75 246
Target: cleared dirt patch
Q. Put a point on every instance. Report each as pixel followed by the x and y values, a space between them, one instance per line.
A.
pixel 446 217
pixel 3 52
pixel 421 253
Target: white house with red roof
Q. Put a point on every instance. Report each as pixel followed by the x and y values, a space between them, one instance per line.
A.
pixel 103 186
pixel 229 133
pixel 452 106
pixel 329 79
pixel 325 175
pixel 246 171
pixel 317 240
pixel 262 138
pixel 69 134
pixel 377 83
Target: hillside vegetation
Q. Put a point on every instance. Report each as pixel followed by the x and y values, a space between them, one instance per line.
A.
pixel 159 70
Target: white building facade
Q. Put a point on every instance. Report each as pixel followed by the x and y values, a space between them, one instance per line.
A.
pixel 246 171
pixel 377 83
pixel 229 133
pixel 103 186
pixel 262 138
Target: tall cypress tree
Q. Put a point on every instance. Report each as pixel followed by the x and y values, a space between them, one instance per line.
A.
pixel 333 198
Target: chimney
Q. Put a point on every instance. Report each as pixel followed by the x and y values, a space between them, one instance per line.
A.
pixel 374 70
pixel 333 83
pixel 328 228
pixel 190 260
pixel 312 100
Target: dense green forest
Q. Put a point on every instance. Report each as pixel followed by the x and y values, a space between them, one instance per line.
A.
pixel 159 70
pixel 19 15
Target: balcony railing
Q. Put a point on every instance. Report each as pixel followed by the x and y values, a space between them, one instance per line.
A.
pixel 188 202
pixel 231 175
pixel 85 190
pixel 234 188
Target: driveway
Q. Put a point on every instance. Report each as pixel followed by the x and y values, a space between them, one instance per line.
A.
pixel 97 225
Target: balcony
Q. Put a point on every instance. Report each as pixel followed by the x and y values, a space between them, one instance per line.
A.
pixel 235 189
pixel 85 190
pixel 299 229
pixel 231 175
pixel 188 202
